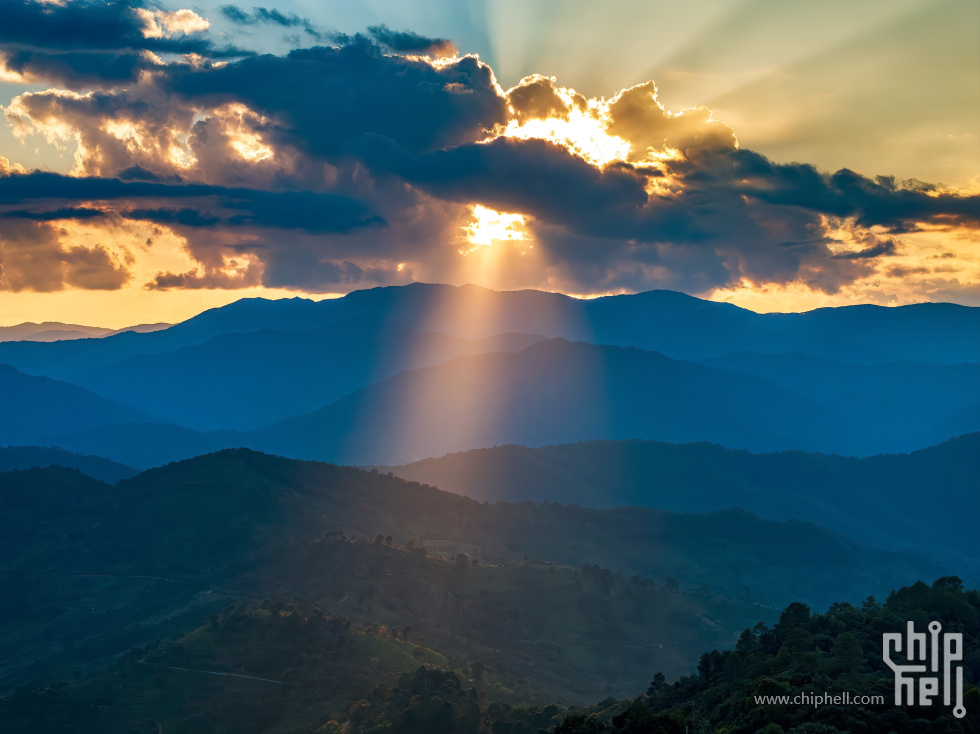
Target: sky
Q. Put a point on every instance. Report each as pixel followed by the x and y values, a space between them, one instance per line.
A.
pixel 160 159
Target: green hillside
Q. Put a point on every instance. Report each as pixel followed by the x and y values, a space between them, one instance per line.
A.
pixel 163 599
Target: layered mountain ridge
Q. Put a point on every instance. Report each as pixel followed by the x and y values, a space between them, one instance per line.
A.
pixel 339 380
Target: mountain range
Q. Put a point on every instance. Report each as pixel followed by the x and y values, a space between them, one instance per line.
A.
pixel 341 379
pixel 676 324
pixel 51 331
pixel 29 457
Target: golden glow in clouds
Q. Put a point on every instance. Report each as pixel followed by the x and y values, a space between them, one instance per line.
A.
pixel 489 226
pixel 163 23
pixel 583 133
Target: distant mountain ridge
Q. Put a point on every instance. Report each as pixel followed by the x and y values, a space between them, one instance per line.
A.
pixel 392 375
pixel 49 331
pixel 678 325
pixel 27 457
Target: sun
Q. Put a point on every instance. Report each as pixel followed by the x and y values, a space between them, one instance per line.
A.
pixel 489 227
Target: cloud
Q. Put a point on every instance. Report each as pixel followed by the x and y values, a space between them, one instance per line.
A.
pixel 537 98
pixel 331 167
pixel 846 193
pixel 89 42
pixel 637 115
pixel 336 95
pixel 67 212
pixel 886 247
pixel 217 223
pixel 6 167
pixel 102 26
pixel 75 68
pixel 311 211
pixel 33 257
pixel 271 16
pixel 412 43
pixel 167 24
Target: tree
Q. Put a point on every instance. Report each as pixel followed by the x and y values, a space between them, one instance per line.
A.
pixel 847 653
pixel 658 684
pixel 953 584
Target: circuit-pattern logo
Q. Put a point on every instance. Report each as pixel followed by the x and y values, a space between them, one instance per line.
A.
pixel 932 653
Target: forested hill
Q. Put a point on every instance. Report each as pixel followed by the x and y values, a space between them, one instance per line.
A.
pixel 561 587
pixel 284 666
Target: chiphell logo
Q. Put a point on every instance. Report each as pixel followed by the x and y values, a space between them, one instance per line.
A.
pixel 940 652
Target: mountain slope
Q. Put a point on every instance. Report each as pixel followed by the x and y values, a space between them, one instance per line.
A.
pixel 893 400
pixel 860 498
pixel 227 511
pixel 554 392
pixel 551 392
pixel 37 408
pixel 250 567
pixel 27 457
pixel 246 380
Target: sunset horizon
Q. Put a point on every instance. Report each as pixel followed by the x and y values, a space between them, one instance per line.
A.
pixel 155 168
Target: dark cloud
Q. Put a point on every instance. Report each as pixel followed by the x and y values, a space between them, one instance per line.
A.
pixel 847 194
pixel 536 177
pixel 412 43
pixel 307 210
pixel 884 248
pixel 326 97
pixel 271 16
pixel 93 43
pixel 184 216
pixel 95 26
pixel 77 68
pixel 138 173
pixel 602 229
pixel 209 278
pixel 900 271
pixel 85 26
pixel 68 212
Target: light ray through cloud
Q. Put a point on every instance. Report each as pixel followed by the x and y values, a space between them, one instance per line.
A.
pixel 376 166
